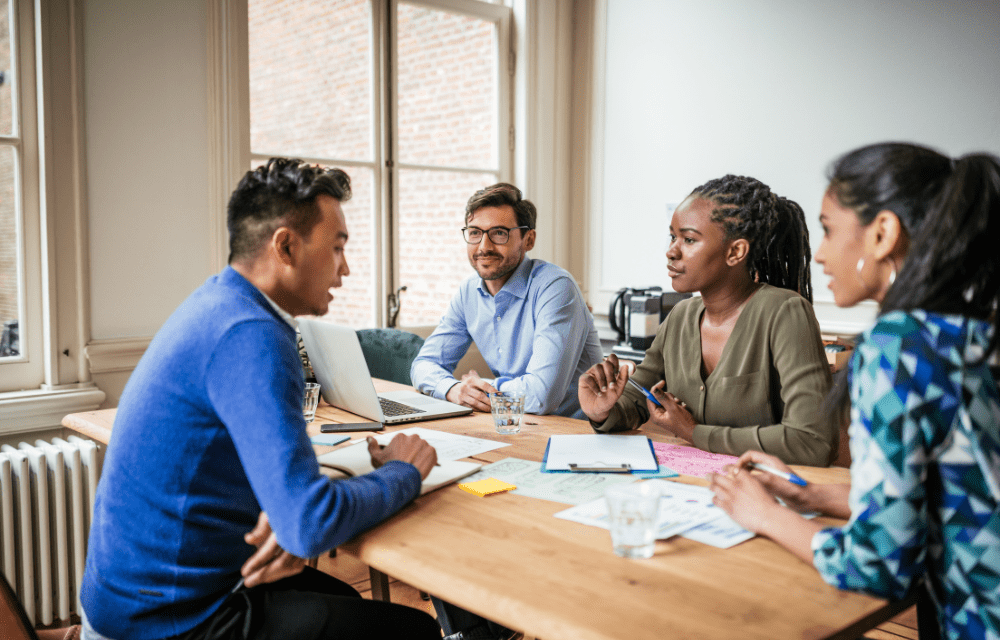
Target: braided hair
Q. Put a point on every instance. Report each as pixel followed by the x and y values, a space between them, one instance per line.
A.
pixel 774 226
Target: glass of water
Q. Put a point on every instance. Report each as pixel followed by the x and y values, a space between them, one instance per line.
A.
pixel 633 510
pixel 310 401
pixel 508 409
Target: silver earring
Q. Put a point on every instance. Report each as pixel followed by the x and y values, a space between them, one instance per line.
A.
pixel 892 275
pixel 860 266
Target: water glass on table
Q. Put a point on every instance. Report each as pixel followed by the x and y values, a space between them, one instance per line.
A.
pixel 310 401
pixel 508 409
pixel 633 511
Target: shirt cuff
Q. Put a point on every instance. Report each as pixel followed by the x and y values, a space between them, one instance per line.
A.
pixel 700 436
pixel 442 388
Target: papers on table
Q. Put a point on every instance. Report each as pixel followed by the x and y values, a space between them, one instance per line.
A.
pixel 599 452
pixel 684 509
pixel 569 488
pixel 690 460
pixel 355 460
pixel 449 446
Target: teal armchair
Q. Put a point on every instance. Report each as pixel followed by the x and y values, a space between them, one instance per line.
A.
pixel 390 352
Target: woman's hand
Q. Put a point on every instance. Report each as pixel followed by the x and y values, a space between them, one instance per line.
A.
pixel 744 498
pixel 747 501
pixel 600 387
pixel 829 499
pixel 673 416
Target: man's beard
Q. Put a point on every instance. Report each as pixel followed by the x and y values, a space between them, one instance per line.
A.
pixel 499 270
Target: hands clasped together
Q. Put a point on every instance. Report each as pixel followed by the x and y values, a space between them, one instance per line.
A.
pixel 602 385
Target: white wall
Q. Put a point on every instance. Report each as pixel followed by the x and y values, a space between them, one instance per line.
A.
pixel 776 89
pixel 146 100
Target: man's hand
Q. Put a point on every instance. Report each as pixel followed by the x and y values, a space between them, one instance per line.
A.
pixel 600 387
pixel 472 391
pixel 405 448
pixel 270 562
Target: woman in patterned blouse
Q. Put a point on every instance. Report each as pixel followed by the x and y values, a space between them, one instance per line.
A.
pixel 925 412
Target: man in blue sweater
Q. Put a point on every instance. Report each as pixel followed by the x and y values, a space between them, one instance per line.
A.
pixel 209 437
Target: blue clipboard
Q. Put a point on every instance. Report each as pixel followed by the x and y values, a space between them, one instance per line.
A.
pixel 603 466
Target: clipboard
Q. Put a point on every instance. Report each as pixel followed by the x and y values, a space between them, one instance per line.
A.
pixel 599 453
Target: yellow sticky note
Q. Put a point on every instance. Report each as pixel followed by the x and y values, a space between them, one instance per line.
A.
pixel 486 486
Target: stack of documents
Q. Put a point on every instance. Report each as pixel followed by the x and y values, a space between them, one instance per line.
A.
pixel 684 510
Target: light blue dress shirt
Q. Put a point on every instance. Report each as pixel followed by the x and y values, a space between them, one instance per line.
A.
pixel 537 331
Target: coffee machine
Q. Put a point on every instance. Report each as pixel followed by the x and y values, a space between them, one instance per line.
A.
pixel 635 314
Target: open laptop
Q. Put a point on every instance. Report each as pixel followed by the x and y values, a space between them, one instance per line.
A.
pixel 346 383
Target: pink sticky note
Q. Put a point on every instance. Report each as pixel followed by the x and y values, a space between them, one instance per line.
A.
pixel 689 460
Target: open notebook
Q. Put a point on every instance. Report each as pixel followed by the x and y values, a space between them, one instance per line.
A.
pixel 355 461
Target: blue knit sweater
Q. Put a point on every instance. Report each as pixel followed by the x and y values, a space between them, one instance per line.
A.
pixel 209 432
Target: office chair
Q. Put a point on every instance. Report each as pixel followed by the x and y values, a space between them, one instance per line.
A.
pixel 390 352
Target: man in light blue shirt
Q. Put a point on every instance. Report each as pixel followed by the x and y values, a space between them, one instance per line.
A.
pixel 526 316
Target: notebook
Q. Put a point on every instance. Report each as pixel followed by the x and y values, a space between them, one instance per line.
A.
pixel 345 382
pixel 355 461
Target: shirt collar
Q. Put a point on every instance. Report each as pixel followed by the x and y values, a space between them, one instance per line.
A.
pixel 284 315
pixel 517 283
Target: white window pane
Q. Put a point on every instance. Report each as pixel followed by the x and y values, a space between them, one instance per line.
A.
pixel 353 303
pixel 433 259
pixel 447 89
pixel 6 71
pixel 9 256
pixel 310 78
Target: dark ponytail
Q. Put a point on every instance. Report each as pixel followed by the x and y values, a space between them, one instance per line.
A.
pixel 774 226
pixel 951 213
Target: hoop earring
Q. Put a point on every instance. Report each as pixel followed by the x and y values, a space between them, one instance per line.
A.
pixel 892 274
pixel 858 269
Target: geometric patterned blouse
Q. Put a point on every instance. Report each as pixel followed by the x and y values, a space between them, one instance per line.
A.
pixel 925 471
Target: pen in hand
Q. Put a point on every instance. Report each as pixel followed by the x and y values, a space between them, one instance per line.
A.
pixel 645 392
pixel 791 477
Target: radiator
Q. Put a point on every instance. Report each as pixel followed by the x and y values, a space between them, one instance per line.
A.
pixel 46 502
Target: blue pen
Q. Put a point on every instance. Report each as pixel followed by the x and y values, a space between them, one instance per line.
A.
pixel 645 392
pixel 791 477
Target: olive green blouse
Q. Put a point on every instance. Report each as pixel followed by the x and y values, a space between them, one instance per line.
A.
pixel 765 393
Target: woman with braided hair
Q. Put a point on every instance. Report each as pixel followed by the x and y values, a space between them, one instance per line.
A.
pixel 915 231
pixel 742 366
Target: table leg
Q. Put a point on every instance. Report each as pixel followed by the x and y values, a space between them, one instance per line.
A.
pixel 380 585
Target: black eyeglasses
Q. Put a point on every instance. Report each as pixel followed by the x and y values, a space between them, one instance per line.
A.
pixel 498 235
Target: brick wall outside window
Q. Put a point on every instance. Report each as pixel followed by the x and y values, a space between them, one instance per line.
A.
pixel 8 206
pixel 310 96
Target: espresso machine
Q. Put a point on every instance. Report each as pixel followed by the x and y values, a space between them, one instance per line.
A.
pixel 635 314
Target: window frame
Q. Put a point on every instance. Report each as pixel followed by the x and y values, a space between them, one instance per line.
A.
pixel 384 165
pixel 49 58
pixel 27 369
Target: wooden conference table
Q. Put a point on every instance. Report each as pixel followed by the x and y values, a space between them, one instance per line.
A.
pixel 505 557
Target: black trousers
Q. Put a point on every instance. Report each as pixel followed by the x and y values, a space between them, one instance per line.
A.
pixel 311 605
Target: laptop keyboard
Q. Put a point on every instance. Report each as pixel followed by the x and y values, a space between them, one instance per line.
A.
pixel 392 408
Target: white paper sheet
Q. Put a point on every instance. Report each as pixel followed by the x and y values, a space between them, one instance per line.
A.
pixel 449 446
pixel 599 450
pixel 683 509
